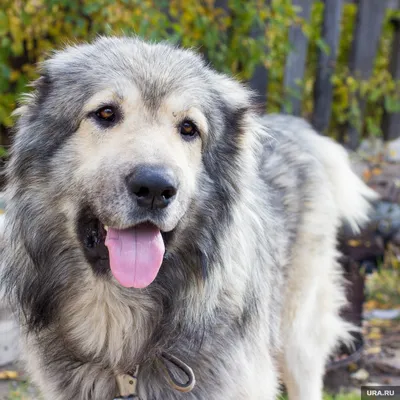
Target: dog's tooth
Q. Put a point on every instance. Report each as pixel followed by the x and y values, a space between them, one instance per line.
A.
pixel 106 227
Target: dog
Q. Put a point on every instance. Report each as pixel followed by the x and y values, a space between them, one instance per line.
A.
pixel 158 227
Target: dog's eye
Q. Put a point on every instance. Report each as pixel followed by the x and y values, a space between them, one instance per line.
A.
pixel 188 129
pixel 106 114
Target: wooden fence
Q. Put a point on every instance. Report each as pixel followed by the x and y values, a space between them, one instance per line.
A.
pixel 367 33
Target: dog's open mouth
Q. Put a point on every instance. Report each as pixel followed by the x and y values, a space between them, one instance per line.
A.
pixel 134 255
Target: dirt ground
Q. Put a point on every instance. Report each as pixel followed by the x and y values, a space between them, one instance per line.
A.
pixel 379 363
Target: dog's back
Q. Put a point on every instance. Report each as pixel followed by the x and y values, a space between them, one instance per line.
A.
pixel 312 177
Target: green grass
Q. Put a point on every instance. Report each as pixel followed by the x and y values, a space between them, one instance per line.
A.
pixel 20 391
pixel 350 396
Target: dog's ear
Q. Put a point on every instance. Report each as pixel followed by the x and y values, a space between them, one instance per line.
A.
pixel 35 98
pixel 234 94
pixel 42 86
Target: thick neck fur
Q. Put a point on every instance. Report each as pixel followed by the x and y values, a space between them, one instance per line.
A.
pixel 117 328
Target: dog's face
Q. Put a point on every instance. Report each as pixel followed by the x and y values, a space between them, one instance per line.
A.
pixel 138 168
pixel 138 164
pixel 133 139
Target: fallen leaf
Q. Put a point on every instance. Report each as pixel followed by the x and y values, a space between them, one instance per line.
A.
pixel 374 335
pixel 352 367
pixel 376 171
pixel 381 323
pixel 4 375
pixel 373 350
pixel 371 304
pixel 367 175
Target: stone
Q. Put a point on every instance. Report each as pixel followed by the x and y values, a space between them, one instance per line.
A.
pixel 361 375
pixel 392 151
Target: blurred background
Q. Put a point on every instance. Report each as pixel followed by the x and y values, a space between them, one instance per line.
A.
pixel 334 62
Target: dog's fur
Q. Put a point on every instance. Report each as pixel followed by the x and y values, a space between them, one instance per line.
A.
pixel 250 288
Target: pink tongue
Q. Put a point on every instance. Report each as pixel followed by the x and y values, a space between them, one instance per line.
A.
pixel 136 254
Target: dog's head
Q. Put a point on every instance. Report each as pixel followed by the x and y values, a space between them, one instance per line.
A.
pixel 132 143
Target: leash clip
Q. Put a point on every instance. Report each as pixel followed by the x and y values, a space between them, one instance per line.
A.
pixel 127 386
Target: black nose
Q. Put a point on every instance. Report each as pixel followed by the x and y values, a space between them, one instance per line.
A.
pixel 152 186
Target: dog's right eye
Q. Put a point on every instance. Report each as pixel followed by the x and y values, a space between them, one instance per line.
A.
pixel 188 129
pixel 106 114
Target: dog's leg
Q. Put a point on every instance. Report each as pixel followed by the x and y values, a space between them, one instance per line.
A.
pixel 302 374
pixel 311 326
pixel 302 359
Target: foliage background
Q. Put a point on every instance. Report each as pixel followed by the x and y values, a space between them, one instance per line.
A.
pixel 232 34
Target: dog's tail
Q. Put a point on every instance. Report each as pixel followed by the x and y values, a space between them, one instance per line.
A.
pixel 353 197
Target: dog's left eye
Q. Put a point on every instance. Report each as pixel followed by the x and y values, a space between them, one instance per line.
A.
pixel 188 129
pixel 106 114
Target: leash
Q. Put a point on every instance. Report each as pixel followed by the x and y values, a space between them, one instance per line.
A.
pixel 174 383
pixel 128 383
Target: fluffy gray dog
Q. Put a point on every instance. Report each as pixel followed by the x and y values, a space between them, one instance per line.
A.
pixel 153 215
